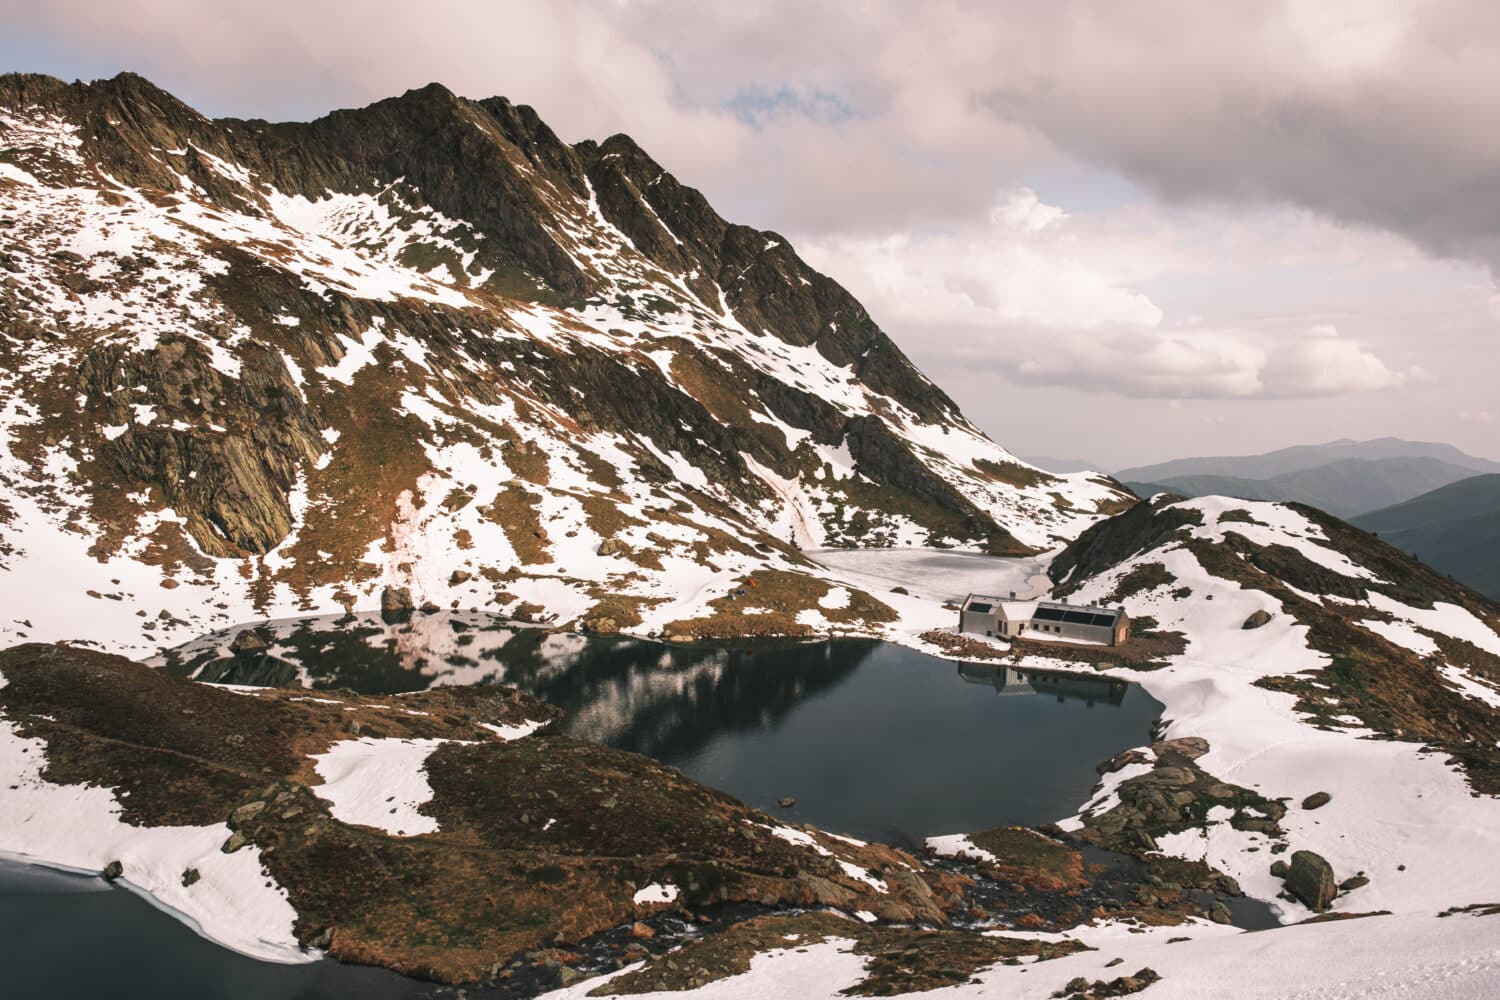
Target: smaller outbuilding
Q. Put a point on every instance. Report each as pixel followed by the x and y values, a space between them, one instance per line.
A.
pixel 1009 618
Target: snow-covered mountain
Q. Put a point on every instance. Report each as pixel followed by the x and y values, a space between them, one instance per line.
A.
pixel 1314 658
pixel 254 369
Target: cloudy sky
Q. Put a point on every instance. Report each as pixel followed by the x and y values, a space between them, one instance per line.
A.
pixel 1121 232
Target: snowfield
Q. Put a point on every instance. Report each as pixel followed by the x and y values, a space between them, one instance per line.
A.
pixel 79 828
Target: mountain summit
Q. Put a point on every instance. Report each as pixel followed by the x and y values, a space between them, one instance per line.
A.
pixel 256 369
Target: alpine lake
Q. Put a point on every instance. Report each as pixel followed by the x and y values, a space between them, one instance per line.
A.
pixel 856 736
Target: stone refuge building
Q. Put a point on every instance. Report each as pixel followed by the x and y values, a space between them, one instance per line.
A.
pixel 1009 618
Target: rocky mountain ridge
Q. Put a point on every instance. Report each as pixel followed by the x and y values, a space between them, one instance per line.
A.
pixel 257 369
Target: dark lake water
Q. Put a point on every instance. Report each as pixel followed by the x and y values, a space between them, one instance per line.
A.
pixel 872 740
pixel 71 936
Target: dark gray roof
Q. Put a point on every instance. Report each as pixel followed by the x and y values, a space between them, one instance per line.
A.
pixel 1070 615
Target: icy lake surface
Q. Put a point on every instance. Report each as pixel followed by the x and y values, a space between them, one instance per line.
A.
pixel 871 739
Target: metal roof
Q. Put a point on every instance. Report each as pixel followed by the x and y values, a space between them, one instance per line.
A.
pixel 1067 614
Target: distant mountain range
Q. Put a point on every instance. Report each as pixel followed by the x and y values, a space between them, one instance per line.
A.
pixel 1454 529
pixel 1306 456
pixel 1346 478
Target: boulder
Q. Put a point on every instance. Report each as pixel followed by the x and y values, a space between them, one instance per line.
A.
pixel 1257 619
pixel 1316 800
pixel 459 576
pixel 612 547
pixel 1279 868
pixel 113 870
pixel 1191 747
pixel 396 603
pixel 1310 879
pixel 247 643
pixel 1353 882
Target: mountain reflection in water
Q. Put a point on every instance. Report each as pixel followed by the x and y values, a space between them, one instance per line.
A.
pixel 870 739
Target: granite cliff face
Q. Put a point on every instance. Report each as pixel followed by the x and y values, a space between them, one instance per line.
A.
pixel 254 368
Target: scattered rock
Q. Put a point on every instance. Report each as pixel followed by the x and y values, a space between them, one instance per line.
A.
pixel 245 813
pixel 189 877
pixel 901 590
pixel 1219 913
pixel 234 843
pixel 113 870
pixel 641 932
pixel 1123 986
pixel 428 608
pixel 613 547
pixel 459 576
pixel 1279 868
pixel 1353 882
pixel 787 802
pixel 247 643
pixel 1310 879
pixel 1257 619
pixel 602 624
pixel 1316 800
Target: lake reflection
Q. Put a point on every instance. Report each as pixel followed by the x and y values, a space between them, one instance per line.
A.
pixel 871 739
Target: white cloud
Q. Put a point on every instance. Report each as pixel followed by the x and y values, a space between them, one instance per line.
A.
pixel 1324 364
pixel 1052 298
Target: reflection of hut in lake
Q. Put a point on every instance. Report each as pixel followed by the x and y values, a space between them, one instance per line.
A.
pixel 1067 686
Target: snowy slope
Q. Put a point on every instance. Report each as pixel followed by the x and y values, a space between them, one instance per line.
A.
pixel 254 370
pixel 1375 681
